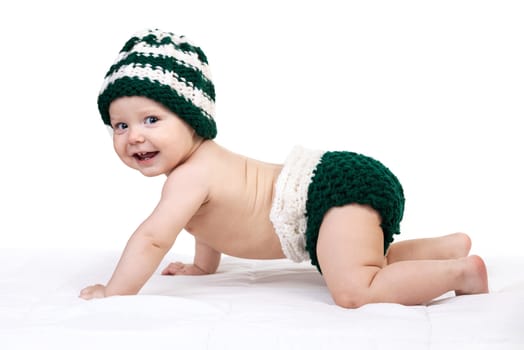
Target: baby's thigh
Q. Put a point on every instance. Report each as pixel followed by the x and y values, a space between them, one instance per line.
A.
pixel 350 241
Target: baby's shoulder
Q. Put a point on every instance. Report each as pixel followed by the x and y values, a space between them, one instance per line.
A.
pixel 189 173
pixel 202 168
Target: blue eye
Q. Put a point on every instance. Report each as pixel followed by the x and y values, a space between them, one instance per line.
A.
pixel 120 126
pixel 151 120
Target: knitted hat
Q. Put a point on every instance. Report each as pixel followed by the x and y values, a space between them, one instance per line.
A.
pixel 168 69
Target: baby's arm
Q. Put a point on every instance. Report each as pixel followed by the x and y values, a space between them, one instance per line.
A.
pixel 182 195
pixel 206 262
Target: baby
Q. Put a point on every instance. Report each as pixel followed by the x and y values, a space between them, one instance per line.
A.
pixel 339 210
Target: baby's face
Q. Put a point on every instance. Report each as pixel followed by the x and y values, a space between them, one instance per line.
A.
pixel 149 137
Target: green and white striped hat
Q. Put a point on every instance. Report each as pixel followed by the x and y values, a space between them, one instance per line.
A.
pixel 168 69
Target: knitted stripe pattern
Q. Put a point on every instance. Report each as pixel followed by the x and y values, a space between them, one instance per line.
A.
pixel 168 69
pixel 341 178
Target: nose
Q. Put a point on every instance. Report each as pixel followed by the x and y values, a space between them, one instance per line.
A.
pixel 135 136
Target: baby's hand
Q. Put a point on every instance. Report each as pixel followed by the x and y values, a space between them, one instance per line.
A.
pixel 178 268
pixel 91 292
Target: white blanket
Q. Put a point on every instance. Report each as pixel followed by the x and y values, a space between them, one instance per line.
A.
pixel 246 305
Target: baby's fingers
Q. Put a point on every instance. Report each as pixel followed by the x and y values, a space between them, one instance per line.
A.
pixel 173 268
pixel 91 292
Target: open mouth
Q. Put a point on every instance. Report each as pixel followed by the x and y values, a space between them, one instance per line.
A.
pixel 142 156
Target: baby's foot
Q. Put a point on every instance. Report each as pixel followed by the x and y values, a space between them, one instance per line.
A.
pixel 459 245
pixel 475 276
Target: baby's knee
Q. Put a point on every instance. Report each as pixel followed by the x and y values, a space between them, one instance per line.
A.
pixel 350 299
pixel 353 298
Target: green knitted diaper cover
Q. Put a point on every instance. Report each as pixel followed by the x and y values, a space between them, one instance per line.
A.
pixel 311 182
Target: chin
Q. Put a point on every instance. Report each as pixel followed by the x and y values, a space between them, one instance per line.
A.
pixel 150 172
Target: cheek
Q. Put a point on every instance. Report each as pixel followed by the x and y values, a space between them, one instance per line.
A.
pixel 119 148
pixel 116 145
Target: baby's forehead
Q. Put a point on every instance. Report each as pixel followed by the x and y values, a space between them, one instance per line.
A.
pixel 135 104
pixel 136 101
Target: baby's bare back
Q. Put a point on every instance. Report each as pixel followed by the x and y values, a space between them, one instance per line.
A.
pixel 235 218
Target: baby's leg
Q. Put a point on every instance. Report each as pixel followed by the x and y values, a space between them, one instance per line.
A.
pixel 453 246
pixel 350 253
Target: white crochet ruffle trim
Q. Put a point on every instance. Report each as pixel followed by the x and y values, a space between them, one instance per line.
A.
pixel 288 212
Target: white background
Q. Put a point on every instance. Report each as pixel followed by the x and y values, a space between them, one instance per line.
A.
pixel 432 89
